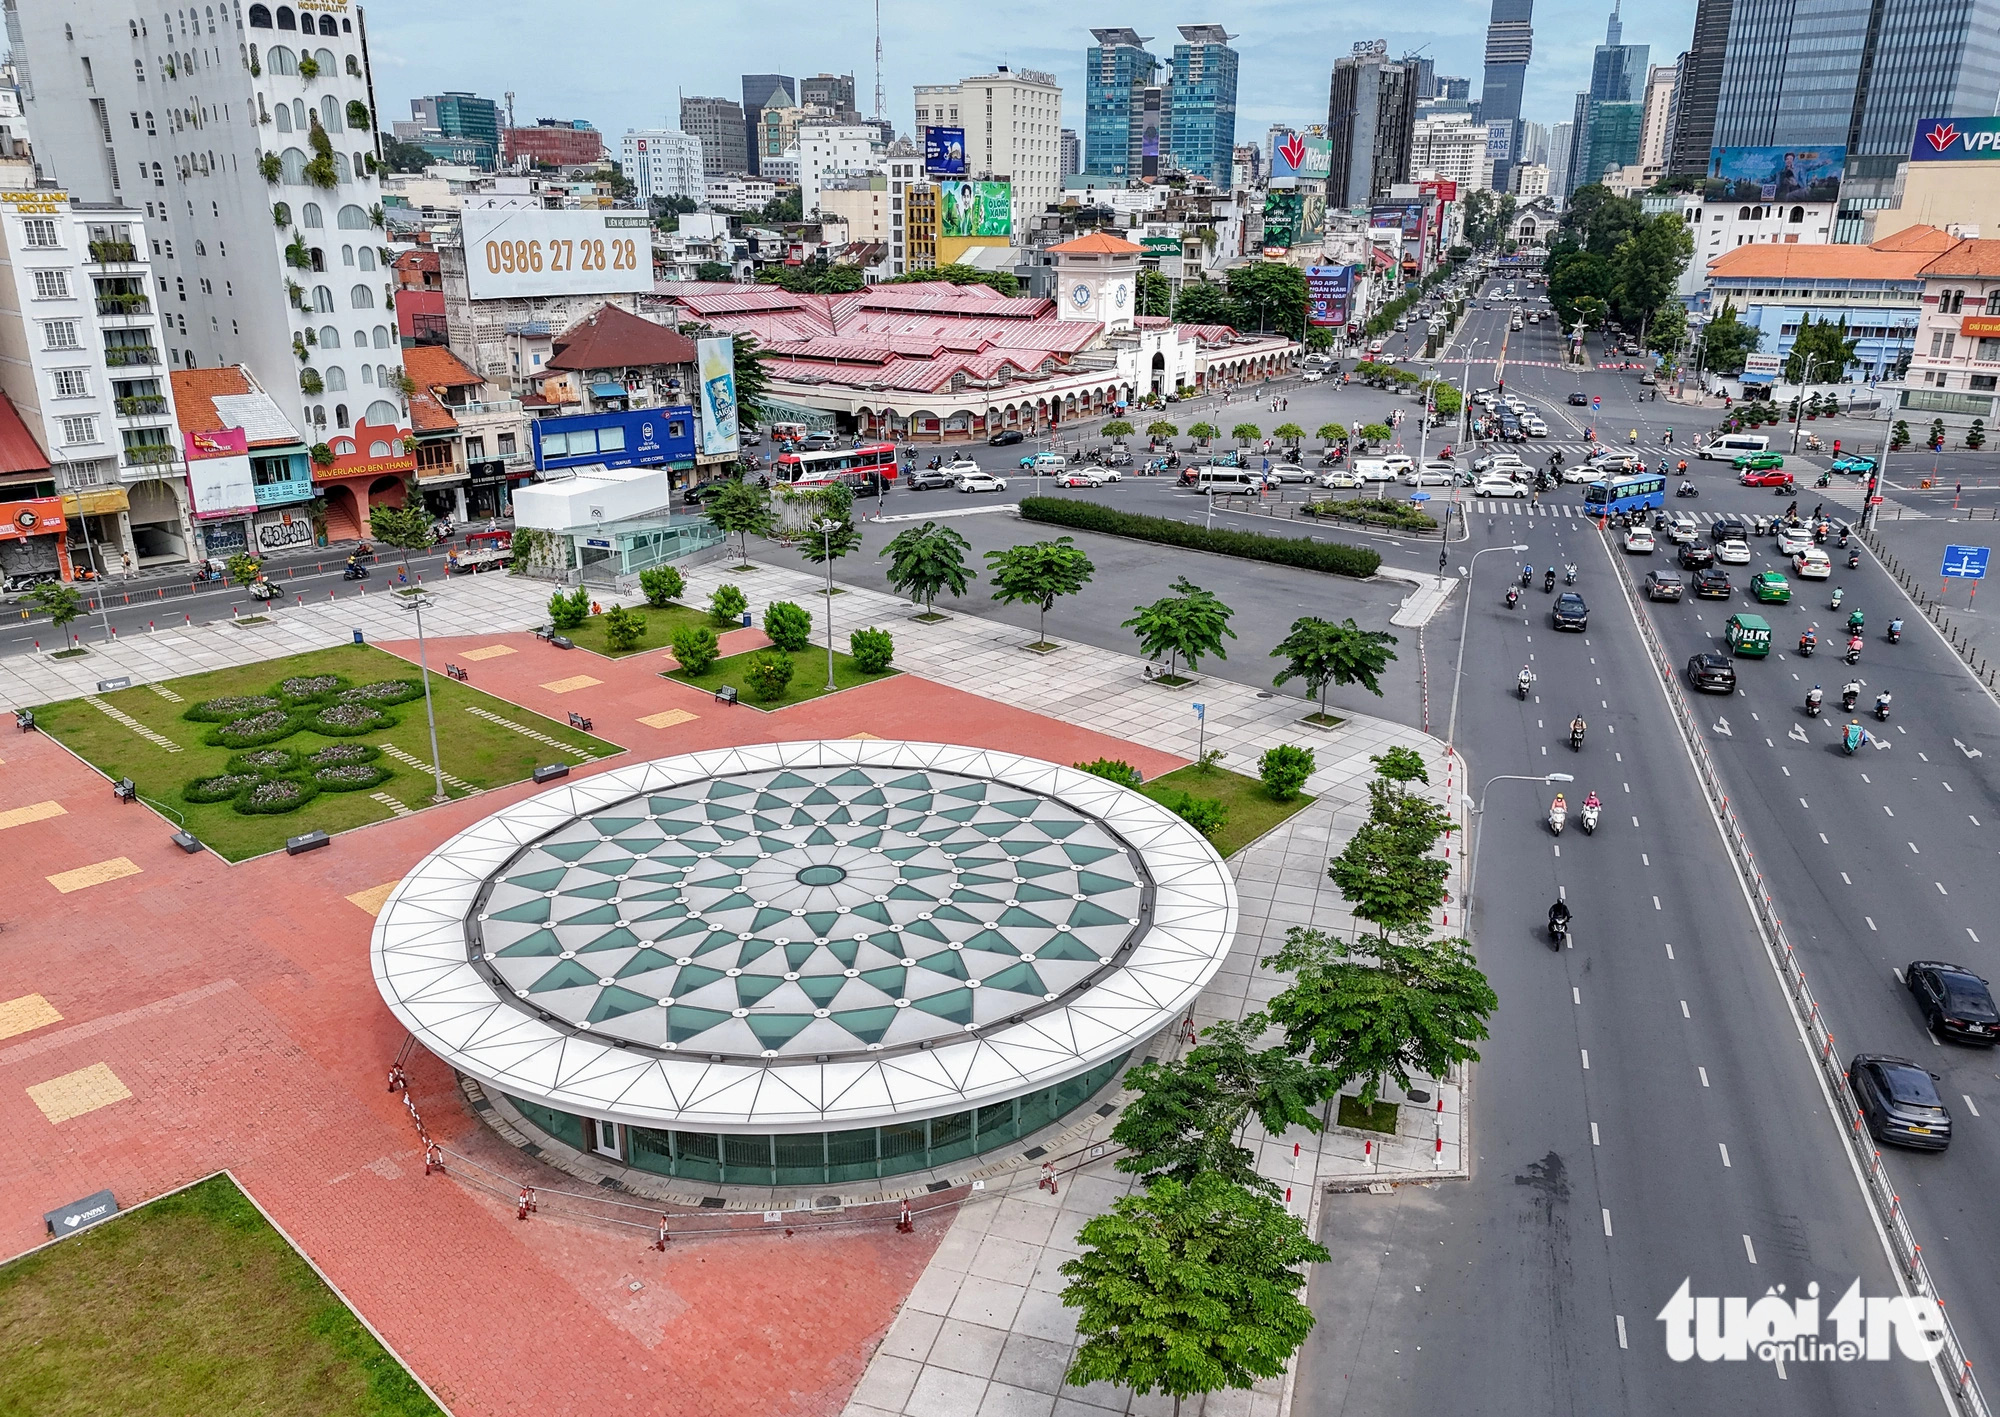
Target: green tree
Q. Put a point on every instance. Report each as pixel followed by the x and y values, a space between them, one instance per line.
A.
pixel 1271 295
pixel 405 528
pixel 1598 221
pixel 1387 870
pixel 61 603
pixel 1284 770
pixel 696 649
pixel 813 278
pixel 1726 341
pixel 1648 265
pixel 780 210
pixel 768 673
pixel 713 272
pixel 1331 433
pixel 1323 653
pixel 1290 434
pixel 1479 208
pixel 1203 303
pixel 1400 766
pixel 727 604
pixel 1155 295
pixel 1577 277
pixel 741 510
pixel 1117 428
pixel 1827 343
pixel 1039 574
pixel 753 380
pixel 1381 1007
pixel 243 568
pixel 926 560
pixel 1204 432
pixel 1667 329
pixel 569 609
pixel 872 650
pixel 662 585
pixel 789 626
pixel 1183 626
pixel 1159 428
pixel 623 629
pixel 1246 433
pixel 957 273
pixel 1187 1289
pixel 818 542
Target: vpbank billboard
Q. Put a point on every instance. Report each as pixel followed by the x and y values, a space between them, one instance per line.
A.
pixel 1956 140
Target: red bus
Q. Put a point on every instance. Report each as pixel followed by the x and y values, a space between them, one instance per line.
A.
pixel 855 465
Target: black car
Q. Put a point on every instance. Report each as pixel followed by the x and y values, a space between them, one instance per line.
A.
pixel 1899 1101
pixel 1728 529
pixel 1579 400
pixel 1005 438
pixel 1696 557
pixel 1955 1001
pixel 1569 612
pixel 1664 585
pixel 1712 583
pixel 1712 672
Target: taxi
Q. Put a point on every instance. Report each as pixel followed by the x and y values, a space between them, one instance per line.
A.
pixel 1771 587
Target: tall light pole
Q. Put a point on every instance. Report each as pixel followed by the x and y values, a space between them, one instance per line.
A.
pixel 1451 730
pixel 1799 417
pixel 1479 809
pixel 418 603
pixel 826 527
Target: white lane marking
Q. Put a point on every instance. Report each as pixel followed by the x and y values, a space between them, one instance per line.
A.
pixel 1593 1135
pixel 1844 876
pixel 1749 1249
pixel 1805 804
pixel 1887 808
pixel 1769 744
pixel 1913 848
pixel 1725 1154
pixel 1971 1106
pixel 1865 778
pixel 1607 1220
pixel 1946 786
pixel 1871 921
pixel 1586 1059
pixel 1644 859
pixel 1823 841
pixel 1684 1009
pixel 1656 902
pixel 1670 949
pixel 1558 847
pixel 1975 938
pixel 1575 995
pixel 1635 821
pixel 1628 787
pixel 1897 971
pixel 1940 886
pixel 1704 1076
pixel 1621 1331
pixel 1970 818
pixel 1969 752
pixel 1920 755
pixel 1755 719
pixel 1618 757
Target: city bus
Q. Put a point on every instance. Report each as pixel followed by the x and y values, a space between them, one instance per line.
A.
pixel 870 464
pixel 1635 492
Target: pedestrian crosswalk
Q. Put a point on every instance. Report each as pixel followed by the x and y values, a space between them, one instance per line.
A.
pixel 1577 511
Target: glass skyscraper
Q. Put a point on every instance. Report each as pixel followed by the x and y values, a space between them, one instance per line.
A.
pixel 1117 72
pixel 1859 73
pixel 1510 42
pixel 1201 104
pixel 1617 76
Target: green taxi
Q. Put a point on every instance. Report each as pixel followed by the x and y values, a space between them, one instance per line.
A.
pixel 1749 636
pixel 1758 462
pixel 1771 587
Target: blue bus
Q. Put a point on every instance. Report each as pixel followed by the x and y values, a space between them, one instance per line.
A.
pixel 1634 492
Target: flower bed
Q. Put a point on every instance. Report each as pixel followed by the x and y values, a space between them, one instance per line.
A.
pixel 345 720
pixel 258 729
pixel 275 795
pixel 231 706
pixel 265 762
pixel 341 754
pixel 311 688
pixel 383 692
pixel 219 789
pixel 351 777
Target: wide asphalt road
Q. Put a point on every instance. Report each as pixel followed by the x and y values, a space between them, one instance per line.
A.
pixel 1645 1112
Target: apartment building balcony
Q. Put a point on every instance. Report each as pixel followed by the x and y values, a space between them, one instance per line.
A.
pixel 123 309
pixel 143 406
pixel 113 253
pixel 130 357
pixel 148 456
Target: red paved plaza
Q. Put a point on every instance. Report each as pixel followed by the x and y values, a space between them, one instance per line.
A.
pixel 164 1016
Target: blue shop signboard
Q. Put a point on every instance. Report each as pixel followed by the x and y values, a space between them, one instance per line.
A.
pixel 646 437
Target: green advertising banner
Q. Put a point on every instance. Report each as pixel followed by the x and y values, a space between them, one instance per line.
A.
pixel 975 209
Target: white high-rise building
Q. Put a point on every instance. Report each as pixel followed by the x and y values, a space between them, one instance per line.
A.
pixel 1013 129
pixel 663 162
pixel 247 134
pixel 829 152
pixel 1655 129
pixel 1450 147
pixel 80 358
pixel 1560 137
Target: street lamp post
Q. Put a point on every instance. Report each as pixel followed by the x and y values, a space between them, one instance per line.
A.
pixel 1799 417
pixel 1451 730
pixel 1479 809
pixel 417 604
pixel 826 527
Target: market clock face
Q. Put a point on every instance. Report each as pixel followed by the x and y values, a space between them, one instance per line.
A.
pixel 1080 295
pixel 1118 295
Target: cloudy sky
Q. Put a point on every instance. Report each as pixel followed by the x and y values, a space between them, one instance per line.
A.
pixel 622 63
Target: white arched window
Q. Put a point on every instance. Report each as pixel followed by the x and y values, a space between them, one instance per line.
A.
pixel 382 341
pixel 352 218
pixel 281 60
pixel 361 339
pixel 329 337
pixel 367 374
pixel 283 119
pixel 382 375
pixel 367 258
pixel 322 299
pixel 329 114
pixel 381 414
pixel 292 167
pixel 299 118
pixel 340 415
pixel 336 380
pixel 347 255
pixel 309 215
pixel 328 65
pixel 378 448
pixel 362 297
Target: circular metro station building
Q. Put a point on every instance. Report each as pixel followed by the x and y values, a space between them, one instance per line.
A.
pixel 806 963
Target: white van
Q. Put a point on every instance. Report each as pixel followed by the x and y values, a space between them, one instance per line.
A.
pixel 1225 481
pixel 1734 445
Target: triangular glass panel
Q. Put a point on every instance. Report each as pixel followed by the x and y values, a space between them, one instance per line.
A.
pixel 1084 855
pixel 820 836
pixel 776 1030
pixel 684 1023
pixel 1014 915
pixel 927 930
pixel 722 787
pixel 1059 827
pixel 945 962
pixel 1023 808
pixel 992 941
pixel 541 942
pixel 613 826
pixel 596 915
pixel 868 1025
pixel 952 1004
pixel 750 988
pixel 889 980
pixel 769 916
pixel 567 851
pixel 538 880
pixel 820 797
pixel 531 912
pixel 618 939
pixel 1090 913
pixel 564 974
pixel 821 921
pixel 822 991
pixel 853 777
pixel 1028 890
pixel 1093 883
pixel 615 1002
pixel 798 952
pixel 645 962
pixel 970 791
pixel 1067 947
pixel 1017 979
pixel 913 782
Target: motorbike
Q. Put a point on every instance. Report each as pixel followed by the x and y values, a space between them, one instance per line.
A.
pixel 1813 702
pixel 1823 480
pixel 1521 684
pixel 1838 594
pixel 261 589
pixel 1853 655
pixel 1849 693
pixel 1882 706
pixel 354 572
pixel 1855 622
pixel 1558 816
pixel 1527 577
pixel 1575 739
pixel 1895 632
pixel 1687 489
pixel 1588 818
pixel 1513 596
pixel 1549 579
pixel 1853 738
pixel 1569 575
pixel 1558 924
pixel 1842 543
pixel 1807 642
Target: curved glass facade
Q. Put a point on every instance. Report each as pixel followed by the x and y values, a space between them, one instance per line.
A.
pixel 832 1158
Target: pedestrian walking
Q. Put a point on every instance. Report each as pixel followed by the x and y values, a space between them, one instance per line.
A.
pixel 127 555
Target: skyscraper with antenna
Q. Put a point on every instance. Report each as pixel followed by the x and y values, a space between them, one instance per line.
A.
pixel 881 100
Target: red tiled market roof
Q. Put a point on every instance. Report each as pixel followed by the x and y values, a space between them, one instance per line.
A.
pixel 611 338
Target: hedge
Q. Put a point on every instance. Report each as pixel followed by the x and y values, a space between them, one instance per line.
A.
pixel 1400 516
pixel 1335 558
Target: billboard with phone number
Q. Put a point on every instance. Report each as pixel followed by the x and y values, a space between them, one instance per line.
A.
pixel 526 254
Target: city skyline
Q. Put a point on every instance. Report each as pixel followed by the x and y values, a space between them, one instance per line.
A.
pixel 1288 49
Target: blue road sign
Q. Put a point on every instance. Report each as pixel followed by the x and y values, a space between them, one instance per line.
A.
pixel 1201 711
pixel 1965 562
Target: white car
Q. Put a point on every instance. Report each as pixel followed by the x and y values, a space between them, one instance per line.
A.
pixel 1812 564
pixel 1498 485
pixel 1791 541
pixel 1430 475
pixel 1311 376
pixel 1580 473
pixel 1499 462
pixel 958 467
pixel 1639 541
pixel 1398 463
pixel 1287 472
pixel 1534 427
pixel 1682 528
pixel 1340 477
pixel 1732 552
pixel 982 482
pixel 1080 477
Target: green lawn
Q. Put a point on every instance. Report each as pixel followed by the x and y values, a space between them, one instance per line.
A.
pixel 660 627
pixel 808 677
pixel 1379 1118
pixel 479 752
pixel 1251 810
pixel 190 1306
